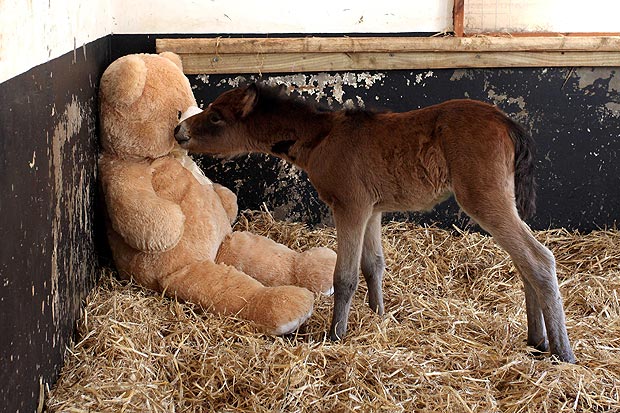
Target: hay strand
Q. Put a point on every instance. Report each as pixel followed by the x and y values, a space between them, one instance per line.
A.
pixel 453 338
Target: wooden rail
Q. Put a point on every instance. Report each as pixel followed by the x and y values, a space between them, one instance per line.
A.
pixel 289 55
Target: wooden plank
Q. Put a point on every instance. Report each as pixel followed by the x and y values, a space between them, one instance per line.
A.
pixel 548 34
pixel 314 62
pixel 387 44
pixel 458 17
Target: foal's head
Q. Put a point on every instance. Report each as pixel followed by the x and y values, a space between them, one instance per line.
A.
pixel 251 118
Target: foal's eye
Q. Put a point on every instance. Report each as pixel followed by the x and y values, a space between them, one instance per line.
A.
pixel 215 118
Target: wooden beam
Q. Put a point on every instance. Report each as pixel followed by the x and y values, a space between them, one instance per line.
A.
pixel 458 17
pixel 387 44
pixel 205 63
pixel 547 34
pixel 290 55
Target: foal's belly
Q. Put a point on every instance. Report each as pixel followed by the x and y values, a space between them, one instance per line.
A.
pixel 414 184
pixel 421 201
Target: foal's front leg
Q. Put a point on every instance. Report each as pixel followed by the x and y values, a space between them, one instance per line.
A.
pixel 350 228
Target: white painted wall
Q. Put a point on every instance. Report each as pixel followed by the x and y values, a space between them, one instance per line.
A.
pixel 282 16
pixel 35 31
pixel 542 16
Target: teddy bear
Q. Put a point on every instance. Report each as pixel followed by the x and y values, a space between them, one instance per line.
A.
pixel 170 228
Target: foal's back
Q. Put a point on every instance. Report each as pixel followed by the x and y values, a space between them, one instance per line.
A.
pixel 406 161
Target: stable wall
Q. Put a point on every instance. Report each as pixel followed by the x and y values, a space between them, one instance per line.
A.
pixel 51 59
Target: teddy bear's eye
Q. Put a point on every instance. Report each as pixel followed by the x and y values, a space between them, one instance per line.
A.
pixel 179 113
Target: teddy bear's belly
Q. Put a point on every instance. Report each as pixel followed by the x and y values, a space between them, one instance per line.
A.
pixel 206 225
pixel 206 222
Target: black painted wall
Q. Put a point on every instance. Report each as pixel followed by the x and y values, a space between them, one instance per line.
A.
pixel 48 258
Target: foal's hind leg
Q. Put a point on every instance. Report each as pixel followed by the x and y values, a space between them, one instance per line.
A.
pixel 495 211
pixel 373 263
pixel 536 331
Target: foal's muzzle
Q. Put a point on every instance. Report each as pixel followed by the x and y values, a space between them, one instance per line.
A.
pixel 181 133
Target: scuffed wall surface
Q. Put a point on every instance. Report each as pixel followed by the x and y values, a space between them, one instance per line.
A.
pixel 574 116
pixel 35 31
pixel 281 16
pixel 48 252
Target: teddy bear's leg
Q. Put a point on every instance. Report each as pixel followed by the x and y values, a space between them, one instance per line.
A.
pixel 315 268
pixel 274 264
pixel 225 290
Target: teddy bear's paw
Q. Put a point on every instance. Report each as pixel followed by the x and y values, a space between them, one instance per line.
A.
pixel 329 291
pixel 282 310
pixel 315 270
pixel 292 326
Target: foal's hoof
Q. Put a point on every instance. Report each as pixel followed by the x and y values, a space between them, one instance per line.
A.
pixel 540 346
pixel 336 335
pixel 563 353
pixel 538 350
pixel 557 357
pixel 536 353
pixel 565 357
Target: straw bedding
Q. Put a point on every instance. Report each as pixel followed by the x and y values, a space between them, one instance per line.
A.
pixel 452 339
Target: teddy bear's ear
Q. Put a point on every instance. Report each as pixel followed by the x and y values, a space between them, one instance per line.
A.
pixel 123 81
pixel 174 58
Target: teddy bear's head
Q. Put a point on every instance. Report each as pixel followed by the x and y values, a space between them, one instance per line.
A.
pixel 141 97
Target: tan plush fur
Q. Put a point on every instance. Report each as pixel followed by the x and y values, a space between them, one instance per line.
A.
pixel 171 231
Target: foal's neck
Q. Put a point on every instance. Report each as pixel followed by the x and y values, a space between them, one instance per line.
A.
pixel 295 134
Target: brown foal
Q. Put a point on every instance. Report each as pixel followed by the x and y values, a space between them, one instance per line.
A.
pixel 364 163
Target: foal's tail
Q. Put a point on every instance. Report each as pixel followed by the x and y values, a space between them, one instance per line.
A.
pixel 525 189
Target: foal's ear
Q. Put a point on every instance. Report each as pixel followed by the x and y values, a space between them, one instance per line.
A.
pixel 249 100
pixel 282 89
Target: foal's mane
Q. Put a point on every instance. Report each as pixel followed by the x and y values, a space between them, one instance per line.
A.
pixel 273 98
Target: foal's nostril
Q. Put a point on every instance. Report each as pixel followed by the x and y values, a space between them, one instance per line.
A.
pixel 180 134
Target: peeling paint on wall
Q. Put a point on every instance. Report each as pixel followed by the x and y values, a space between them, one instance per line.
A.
pixel 71 193
pixel 460 74
pixel 614 108
pixel 327 86
pixel 604 82
pixel 588 76
pixel 504 99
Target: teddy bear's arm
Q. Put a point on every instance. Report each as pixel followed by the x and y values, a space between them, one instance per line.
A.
pixel 229 201
pixel 146 221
